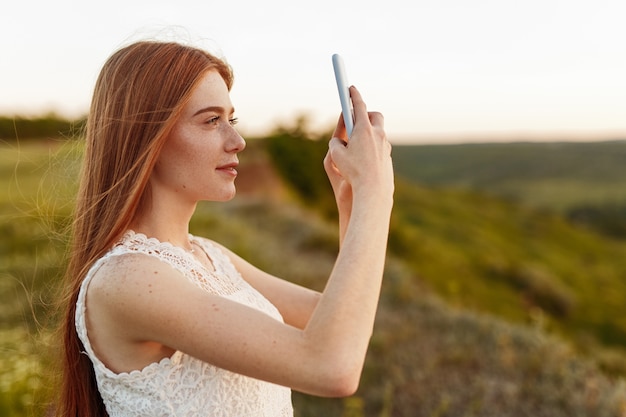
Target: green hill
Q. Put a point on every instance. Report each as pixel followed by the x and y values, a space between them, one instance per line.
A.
pixel 489 308
pixel 554 175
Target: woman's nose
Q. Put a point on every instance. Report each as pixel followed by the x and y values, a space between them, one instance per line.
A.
pixel 236 142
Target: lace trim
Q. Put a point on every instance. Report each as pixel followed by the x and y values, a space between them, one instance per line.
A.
pixel 225 280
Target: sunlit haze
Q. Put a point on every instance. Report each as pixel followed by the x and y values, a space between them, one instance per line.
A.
pixel 446 70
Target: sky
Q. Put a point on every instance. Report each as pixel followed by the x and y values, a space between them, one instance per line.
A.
pixel 439 71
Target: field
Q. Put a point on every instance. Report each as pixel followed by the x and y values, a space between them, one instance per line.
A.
pixel 33 200
pixel 559 176
pixel 490 307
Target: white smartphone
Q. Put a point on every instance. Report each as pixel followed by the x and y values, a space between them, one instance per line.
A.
pixel 344 93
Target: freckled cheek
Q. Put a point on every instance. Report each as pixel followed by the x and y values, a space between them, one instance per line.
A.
pixel 195 171
pixel 179 169
pixel 188 160
pixel 197 163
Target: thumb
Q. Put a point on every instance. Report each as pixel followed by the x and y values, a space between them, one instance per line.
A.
pixel 336 148
pixel 330 167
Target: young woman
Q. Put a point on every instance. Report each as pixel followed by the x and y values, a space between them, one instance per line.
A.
pixel 163 323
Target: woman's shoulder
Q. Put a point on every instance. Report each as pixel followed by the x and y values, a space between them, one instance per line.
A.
pixel 121 270
pixel 126 262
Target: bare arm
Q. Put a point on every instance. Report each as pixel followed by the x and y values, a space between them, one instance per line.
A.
pixel 361 173
pixel 295 303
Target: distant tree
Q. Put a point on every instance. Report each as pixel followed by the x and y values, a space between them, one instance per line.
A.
pixel 48 126
pixel 608 219
pixel 298 155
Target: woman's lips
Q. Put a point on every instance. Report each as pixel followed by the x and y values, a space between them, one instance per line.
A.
pixel 229 168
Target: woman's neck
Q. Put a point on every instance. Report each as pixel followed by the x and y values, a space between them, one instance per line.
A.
pixel 166 219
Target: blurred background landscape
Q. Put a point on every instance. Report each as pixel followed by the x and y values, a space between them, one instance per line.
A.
pixel 505 285
pixel 505 289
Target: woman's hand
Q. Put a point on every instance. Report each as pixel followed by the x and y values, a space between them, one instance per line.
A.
pixel 360 167
pixel 341 188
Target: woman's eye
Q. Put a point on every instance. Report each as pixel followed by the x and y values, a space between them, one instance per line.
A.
pixel 214 120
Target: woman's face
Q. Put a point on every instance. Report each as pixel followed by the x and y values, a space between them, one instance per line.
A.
pixel 199 158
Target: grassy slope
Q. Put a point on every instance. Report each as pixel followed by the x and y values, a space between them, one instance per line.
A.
pixel 516 263
pixel 428 357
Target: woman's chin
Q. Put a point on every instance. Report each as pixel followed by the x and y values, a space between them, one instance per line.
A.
pixel 228 195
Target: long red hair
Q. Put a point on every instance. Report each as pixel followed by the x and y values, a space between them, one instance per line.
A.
pixel 137 98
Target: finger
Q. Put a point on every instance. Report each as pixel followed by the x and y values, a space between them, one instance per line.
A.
pixel 340 130
pixel 377 119
pixel 336 150
pixel 331 171
pixel 335 143
pixel 359 106
pixel 329 165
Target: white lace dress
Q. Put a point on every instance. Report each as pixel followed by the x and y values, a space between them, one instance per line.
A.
pixel 181 385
